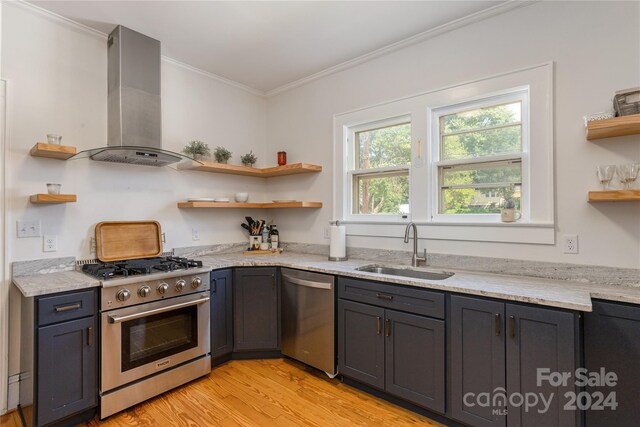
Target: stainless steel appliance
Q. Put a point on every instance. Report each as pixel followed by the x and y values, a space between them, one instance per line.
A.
pixel 308 319
pixel 155 331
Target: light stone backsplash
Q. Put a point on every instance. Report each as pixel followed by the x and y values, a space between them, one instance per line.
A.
pixel 42 266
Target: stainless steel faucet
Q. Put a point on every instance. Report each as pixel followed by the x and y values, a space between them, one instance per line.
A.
pixel 415 259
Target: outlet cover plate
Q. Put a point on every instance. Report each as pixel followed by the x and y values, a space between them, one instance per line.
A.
pixel 570 242
pixel 28 228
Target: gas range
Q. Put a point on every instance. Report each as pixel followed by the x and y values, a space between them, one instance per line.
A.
pixel 132 282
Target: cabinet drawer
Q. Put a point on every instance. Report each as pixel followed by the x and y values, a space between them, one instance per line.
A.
pixel 410 300
pixel 62 307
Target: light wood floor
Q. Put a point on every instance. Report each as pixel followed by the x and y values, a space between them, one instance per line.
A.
pixel 272 392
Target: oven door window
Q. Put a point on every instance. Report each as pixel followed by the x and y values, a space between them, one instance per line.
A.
pixel 155 337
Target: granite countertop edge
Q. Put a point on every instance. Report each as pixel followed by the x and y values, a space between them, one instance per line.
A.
pixel 546 292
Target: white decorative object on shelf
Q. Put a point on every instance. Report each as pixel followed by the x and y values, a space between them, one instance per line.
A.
pixel 597 116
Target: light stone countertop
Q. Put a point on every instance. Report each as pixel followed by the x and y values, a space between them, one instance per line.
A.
pixel 51 283
pixel 549 292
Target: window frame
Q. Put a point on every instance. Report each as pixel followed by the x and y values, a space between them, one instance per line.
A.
pixel 352 173
pixel 517 94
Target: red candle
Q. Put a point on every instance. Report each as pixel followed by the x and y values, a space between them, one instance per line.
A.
pixel 282 158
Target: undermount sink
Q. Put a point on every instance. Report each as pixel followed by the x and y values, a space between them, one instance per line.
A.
pixel 405 272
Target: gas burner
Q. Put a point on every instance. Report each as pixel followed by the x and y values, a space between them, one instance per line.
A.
pixel 139 267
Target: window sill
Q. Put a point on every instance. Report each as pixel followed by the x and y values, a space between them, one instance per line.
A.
pixel 518 232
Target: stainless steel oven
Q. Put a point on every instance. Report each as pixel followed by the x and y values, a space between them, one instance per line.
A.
pixel 145 339
pixel 150 347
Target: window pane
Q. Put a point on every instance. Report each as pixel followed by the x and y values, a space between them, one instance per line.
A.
pixel 482 143
pixel 479 118
pixel 382 194
pixel 489 173
pixel 388 146
pixel 477 200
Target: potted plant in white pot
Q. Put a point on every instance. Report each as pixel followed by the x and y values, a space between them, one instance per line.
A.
pixel 221 154
pixel 196 149
pixel 249 159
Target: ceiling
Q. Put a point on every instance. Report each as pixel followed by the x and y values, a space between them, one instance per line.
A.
pixel 266 45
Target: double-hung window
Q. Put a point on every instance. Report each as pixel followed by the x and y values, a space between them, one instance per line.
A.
pixel 379 172
pixel 478 150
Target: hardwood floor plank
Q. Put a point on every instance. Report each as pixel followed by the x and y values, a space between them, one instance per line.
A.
pixel 257 393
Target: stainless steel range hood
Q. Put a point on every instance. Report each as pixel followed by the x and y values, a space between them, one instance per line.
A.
pixel 134 133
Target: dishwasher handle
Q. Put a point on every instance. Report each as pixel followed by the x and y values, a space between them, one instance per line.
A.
pixel 308 283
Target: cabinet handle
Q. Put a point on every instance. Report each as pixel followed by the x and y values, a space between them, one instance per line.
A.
pixel 512 326
pixel 90 337
pixel 379 329
pixel 273 281
pixel 385 297
pixel 214 285
pixel 75 306
pixel 497 325
pixel 387 327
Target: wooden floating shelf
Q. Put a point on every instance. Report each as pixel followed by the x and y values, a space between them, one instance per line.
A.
pixel 235 205
pixel 53 151
pixel 53 198
pixel 617 126
pixel 614 196
pixel 293 169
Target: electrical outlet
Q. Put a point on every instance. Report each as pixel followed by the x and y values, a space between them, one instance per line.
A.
pixel 326 233
pixel 570 243
pixel 50 243
pixel 195 234
pixel 28 229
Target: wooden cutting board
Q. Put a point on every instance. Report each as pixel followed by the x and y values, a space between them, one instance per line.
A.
pixel 120 240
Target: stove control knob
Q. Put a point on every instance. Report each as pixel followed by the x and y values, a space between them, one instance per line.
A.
pixel 123 295
pixel 180 285
pixel 163 288
pixel 196 282
pixel 144 291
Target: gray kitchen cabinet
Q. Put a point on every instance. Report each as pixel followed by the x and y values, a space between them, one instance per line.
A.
pixel 221 314
pixel 498 347
pixel 256 302
pixel 612 342
pixel 400 353
pixel 477 357
pixel 59 358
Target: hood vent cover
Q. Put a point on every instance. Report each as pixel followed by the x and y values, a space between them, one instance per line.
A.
pixel 134 131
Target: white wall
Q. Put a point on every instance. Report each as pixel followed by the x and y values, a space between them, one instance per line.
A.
pixel 57 83
pixel 595 47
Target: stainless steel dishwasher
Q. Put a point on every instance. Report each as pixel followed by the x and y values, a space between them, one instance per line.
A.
pixel 308 319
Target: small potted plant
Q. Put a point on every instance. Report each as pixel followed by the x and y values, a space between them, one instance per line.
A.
pixel 196 149
pixel 508 213
pixel 222 155
pixel 249 159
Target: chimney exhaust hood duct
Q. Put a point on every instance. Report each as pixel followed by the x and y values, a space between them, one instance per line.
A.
pixel 134 131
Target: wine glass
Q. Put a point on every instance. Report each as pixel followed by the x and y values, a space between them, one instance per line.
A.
pixel 627 174
pixel 605 175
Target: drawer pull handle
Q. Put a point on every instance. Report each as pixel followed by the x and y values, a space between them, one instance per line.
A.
pixel 387 327
pixel 68 307
pixel 497 326
pixel 379 330
pixel 512 326
pixel 214 285
pixel 385 297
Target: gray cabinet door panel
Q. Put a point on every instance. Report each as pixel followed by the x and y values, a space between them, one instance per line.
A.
pixel 415 369
pixel 541 338
pixel 67 374
pixel 361 342
pixel 221 313
pixel 477 359
pixel 612 341
pixel 256 299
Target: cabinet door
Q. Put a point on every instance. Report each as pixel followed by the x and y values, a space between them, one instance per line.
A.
pixel 540 338
pixel 221 313
pixel 477 359
pixel 256 296
pixel 67 373
pixel 361 342
pixel 612 342
pixel 414 359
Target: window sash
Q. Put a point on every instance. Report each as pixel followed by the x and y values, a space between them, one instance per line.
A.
pixel 356 176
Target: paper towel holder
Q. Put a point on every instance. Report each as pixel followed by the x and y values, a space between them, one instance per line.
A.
pixel 333 258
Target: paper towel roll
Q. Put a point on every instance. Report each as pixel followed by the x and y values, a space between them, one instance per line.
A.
pixel 338 245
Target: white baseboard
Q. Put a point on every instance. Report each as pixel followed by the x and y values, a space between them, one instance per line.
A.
pixel 13 392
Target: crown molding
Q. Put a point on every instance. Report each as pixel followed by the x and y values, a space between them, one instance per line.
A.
pixel 418 38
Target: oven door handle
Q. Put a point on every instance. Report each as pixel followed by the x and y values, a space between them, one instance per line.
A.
pixel 119 319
